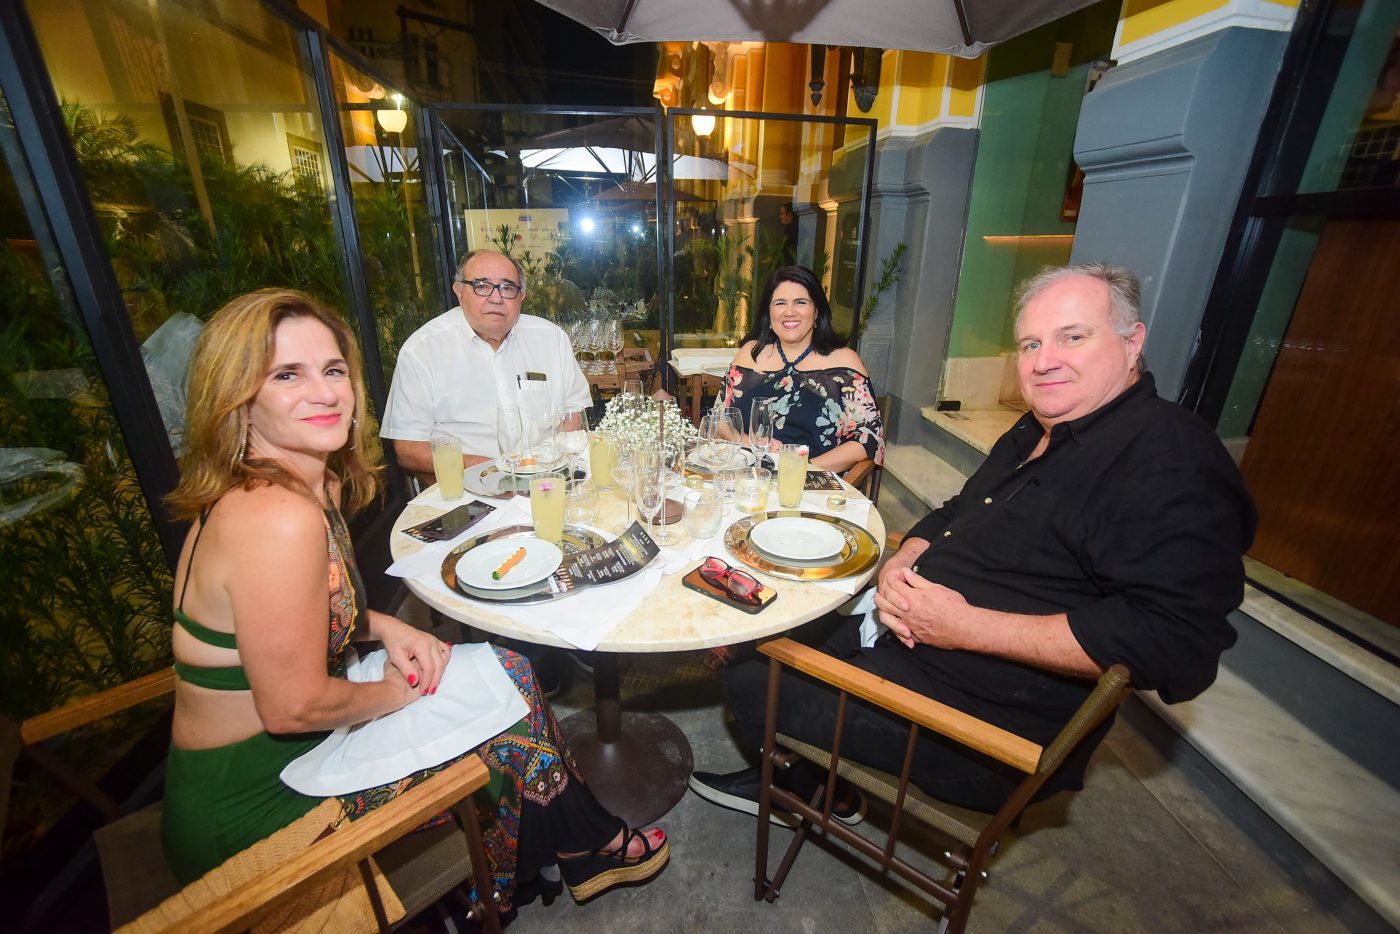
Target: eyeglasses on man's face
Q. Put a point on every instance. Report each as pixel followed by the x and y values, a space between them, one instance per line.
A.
pixel 483 287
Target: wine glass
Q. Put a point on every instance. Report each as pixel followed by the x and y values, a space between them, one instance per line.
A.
pixel 651 485
pixel 632 388
pixel 509 437
pixel 724 424
pixel 571 431
pixel 594 341
pixel 613 340
pixel 760 428
pixel 624 472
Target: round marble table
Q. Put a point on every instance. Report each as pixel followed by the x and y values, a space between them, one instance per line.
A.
pixel 637 763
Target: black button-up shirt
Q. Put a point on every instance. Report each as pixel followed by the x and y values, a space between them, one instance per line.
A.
pixel 1133 522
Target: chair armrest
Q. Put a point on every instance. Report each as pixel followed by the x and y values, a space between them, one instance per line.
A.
pixel 857 472
pixel 359 839
pixel 1002 745
pixel 86 710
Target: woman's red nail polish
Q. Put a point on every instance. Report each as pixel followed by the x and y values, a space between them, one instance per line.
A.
pixel 412 680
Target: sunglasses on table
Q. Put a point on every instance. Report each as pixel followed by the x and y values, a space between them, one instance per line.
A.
pixel 737 584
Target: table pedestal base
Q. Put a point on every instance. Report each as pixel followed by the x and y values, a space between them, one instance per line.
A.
pixel 639 776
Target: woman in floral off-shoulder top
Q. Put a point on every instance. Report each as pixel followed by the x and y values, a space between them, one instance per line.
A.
pixel 822 395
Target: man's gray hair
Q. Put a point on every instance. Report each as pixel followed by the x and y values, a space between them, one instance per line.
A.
pixel 467 258
pixel 1124 291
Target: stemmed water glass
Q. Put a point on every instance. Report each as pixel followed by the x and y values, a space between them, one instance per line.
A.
pixel 613 340
pixel 572 434
pixel 509 441
pixel 760 428
pixel 653 481
pixel 625 473
pixel 594 341
pixel 724 424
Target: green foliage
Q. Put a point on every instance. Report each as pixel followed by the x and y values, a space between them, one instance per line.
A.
pixel 86 605
pixel 89 600
pixel 886 280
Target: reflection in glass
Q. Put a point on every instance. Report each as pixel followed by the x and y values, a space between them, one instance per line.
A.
pixel 573 199
pixel 755 194
pixel 203 153
pixel 1358 140
pixel 380 130
pixel 87 592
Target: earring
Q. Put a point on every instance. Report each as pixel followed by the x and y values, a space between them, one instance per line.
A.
pixel 354 427
pixel 243 445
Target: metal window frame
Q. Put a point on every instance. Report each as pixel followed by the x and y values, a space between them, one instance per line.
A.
pixel 1270 198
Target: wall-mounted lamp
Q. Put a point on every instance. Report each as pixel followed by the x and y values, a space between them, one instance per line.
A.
pixel 703 124
pixel 865 77
pixel 393 121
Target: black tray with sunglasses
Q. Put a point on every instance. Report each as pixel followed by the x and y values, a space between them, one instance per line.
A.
pixel 729 586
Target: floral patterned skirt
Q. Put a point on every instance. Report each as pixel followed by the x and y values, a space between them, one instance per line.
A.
pixel 536 803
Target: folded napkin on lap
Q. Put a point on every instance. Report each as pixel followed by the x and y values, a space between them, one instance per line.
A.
pixel 475 701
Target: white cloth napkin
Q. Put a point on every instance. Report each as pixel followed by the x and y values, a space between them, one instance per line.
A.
pixel 583 619
pixel 475 701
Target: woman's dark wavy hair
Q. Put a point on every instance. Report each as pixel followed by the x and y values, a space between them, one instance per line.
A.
pixel 824 336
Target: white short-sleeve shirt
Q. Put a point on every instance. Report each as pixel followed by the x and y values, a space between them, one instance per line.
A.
pixel 450 380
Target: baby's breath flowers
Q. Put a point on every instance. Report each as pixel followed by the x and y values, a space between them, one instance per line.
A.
pixel 633 423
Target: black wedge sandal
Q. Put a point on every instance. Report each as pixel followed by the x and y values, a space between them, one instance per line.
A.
pixel 591 874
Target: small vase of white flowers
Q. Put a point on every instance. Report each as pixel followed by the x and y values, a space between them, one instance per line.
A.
pixel 634 422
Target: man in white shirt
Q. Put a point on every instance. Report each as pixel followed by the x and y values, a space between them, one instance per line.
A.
pixel 456 372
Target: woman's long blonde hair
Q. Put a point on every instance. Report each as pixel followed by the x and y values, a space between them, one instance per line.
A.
pixel 231 360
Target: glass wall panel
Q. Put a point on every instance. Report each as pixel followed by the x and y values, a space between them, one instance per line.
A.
pixel 380 129
pixel 196 132
pixel 87 592
pixel 1358 143
pixel 573 198
pixel 1309 406
pixel 752 194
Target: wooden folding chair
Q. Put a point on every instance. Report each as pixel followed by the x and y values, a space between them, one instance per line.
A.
pixel 866 475
pixel 977 835
pixel 420 867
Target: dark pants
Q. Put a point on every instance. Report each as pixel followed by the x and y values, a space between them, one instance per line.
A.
pixel 807 712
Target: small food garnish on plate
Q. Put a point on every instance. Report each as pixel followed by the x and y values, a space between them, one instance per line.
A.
pixel 507 564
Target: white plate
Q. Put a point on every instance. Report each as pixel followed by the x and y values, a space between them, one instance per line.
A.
pixel 541 559
pixel 529 470
pixel 745 459
pixel 797 538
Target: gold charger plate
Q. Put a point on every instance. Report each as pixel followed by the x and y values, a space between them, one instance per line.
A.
pixel 858 554
pixel 576 538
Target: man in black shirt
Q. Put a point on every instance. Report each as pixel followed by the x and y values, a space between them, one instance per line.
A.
pixel 1105 527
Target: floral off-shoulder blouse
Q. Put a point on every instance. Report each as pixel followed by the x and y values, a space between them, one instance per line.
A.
pixel 819 408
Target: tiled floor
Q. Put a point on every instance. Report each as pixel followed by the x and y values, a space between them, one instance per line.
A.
pixel 1143 848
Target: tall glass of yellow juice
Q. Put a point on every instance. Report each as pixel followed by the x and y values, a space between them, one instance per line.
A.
pixel 792 475
pixel 447 466
pixel 547 507
pixel 600 461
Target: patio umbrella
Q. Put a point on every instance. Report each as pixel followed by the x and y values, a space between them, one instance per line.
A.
pixel 639 192
pixel 959 27
pixel 617 146
pixel 612 146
